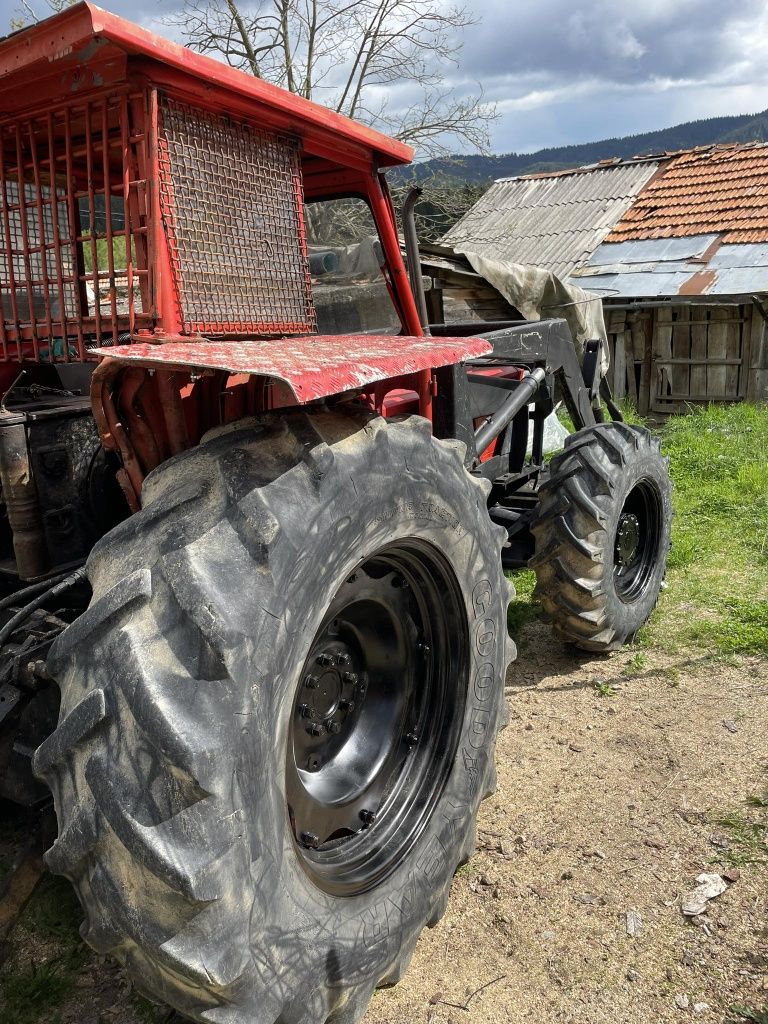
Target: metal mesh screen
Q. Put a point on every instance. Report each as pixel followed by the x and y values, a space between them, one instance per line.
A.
pixel 21 265
pixel 232 207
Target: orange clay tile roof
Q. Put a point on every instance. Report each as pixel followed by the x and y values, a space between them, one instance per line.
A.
pixel 717 189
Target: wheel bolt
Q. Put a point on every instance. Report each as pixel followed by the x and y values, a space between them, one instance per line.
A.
pixel 350 677
pixel 310 840
pixel 311 682
pixel 324 659
pixel 315 729
pixel 347 705
pixel 333 727
pixel 367 817
pixel 343 659
pixel 306 711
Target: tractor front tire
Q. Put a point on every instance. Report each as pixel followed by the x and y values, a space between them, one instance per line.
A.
pixel 279 715
pixel 602 535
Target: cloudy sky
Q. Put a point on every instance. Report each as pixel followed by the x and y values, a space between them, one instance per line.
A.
pixel 565 71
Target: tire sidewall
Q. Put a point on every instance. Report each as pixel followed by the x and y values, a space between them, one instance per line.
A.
pixel 348 940
pixel 646 468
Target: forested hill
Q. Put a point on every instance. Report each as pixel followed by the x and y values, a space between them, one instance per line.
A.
pixel 740 128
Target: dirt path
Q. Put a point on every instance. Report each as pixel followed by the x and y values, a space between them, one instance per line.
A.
pixel 605 804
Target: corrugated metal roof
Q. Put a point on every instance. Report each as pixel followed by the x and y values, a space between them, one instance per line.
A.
pixel 695 265
pixel 721 189
pixel 553 221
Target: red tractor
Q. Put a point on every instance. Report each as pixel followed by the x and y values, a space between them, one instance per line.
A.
pixel 267 705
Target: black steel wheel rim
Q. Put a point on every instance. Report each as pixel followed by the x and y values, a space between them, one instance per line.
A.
pixel 376 717
pixel 636 543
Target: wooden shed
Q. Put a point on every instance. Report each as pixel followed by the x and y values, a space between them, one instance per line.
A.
pixel 677 247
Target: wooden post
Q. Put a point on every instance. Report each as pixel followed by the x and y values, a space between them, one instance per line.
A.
pixel 718 335
pixel 699 329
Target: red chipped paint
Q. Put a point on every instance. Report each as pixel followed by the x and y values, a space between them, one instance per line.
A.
pixel 312 367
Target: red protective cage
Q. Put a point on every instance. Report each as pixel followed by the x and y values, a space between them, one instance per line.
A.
pixel 74 261
pixel 86 239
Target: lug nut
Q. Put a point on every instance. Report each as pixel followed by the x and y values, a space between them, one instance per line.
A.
pixel 310 840
pixel 350 677
pixel 306 711
pixel 332 727
pixel 367 817
pixel 315 729
pixel 343 659
pixel 311 682
pixel 347 705
pixel 324 659
pixel 313 764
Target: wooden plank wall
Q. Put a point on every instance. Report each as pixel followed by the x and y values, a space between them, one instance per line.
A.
pixel 668 357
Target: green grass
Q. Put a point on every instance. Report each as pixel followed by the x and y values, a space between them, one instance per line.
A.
pixel 747 831
pixel 715 599
pixel 102 254
pixel 36 993
pixel 717 584
pixel 737 1014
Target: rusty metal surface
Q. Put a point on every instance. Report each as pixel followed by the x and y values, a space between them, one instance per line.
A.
pixel 714 189
pixel 232 207
pixel 68 277
pixel 313 367
pixel 692 265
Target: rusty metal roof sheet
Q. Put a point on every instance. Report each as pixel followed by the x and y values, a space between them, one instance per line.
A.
pixel 554 221
pixel 722 189
pixel 693 265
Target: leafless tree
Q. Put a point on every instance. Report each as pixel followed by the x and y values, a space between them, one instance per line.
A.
pixel 380 61
pixel 28 14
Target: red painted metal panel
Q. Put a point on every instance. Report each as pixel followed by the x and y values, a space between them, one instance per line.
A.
pixel 64 40
pixel 312 367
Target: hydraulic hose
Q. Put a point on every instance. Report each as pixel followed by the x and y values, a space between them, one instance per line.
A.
pixel 32 589
pixel 24 613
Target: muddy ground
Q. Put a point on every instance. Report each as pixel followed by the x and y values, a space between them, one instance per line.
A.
pixel 620 780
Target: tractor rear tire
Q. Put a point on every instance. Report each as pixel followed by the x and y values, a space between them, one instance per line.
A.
pixel 301 592
pixel 602 535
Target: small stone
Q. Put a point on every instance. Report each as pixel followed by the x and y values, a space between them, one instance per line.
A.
pixel 485 880
pixel 731 875
pixel 589 899
pixel 670 974
pixel 700 1007
pixel 632 975
pixel 654 844
pixel 575 747
pixel 548 936
pixel 730 726
pixel 682 1002
pixel 566 876
pixel 595 853
pixel 434 999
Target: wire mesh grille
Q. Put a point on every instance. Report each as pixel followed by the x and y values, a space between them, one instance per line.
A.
pixel 232 207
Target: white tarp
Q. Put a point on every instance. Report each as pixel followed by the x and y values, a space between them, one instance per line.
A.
pixel 541 295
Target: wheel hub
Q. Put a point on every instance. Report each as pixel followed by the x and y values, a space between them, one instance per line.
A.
pixel 376 716
pixel 627 540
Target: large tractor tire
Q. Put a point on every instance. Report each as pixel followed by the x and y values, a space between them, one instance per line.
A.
pixel 602 535
pixel 279 715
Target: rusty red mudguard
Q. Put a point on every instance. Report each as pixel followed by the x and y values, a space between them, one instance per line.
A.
pixel 313 367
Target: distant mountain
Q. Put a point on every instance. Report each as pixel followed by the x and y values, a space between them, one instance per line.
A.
pixel 739 128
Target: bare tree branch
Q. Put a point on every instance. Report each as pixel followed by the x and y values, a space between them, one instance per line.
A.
pixel 355 56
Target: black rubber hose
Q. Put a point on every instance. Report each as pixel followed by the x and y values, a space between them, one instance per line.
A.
pixel 23 614
pixel 32 589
